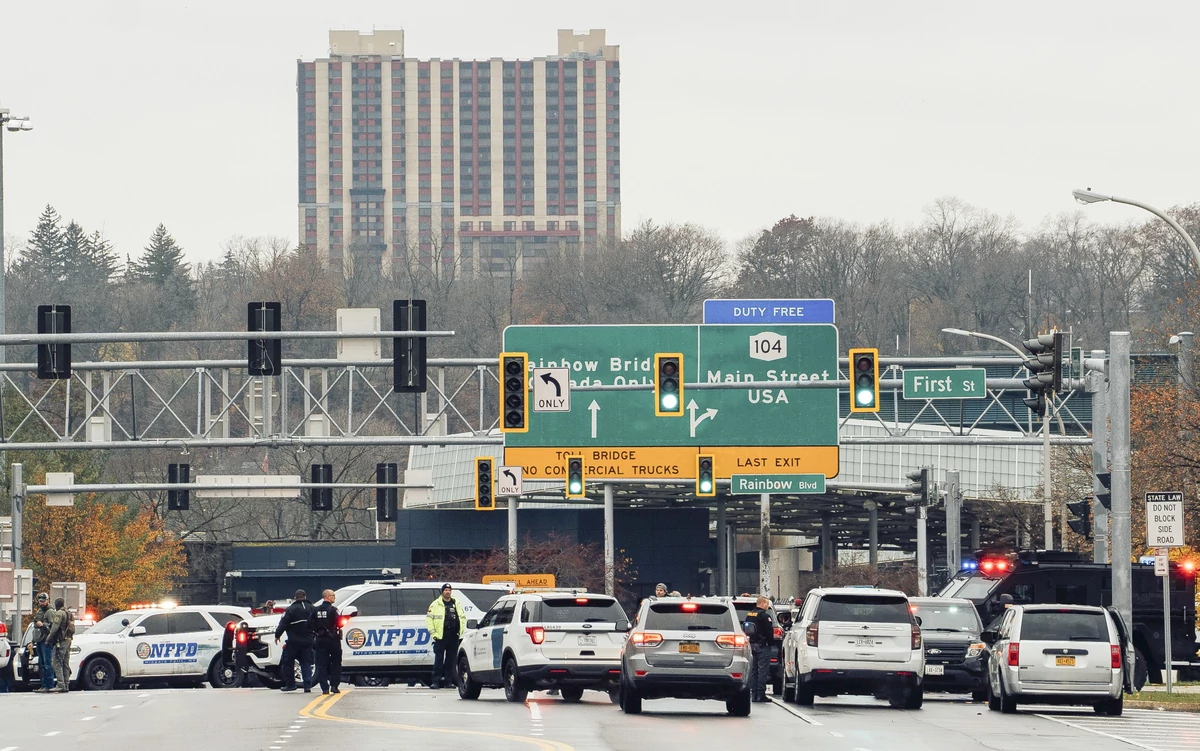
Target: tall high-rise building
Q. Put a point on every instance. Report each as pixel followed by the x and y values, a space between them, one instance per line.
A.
pixel 478 166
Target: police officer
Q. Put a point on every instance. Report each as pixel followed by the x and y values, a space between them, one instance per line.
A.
pixel 299 643
pixel 60 641
pixel 328 643
pixel 43 620
pixel 760 645
pixel 446 624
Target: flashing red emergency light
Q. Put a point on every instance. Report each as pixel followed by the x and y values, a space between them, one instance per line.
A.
pixel 1188 567
pixel 242 637
pixel 988 566
pixel 343 620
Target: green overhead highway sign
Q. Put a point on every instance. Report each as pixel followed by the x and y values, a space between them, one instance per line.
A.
pixel 945 383
pixel 778 484
pixel 763 430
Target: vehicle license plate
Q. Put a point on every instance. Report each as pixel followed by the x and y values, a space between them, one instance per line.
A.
pixel 935 670
pixel 864 641
pixel 587 640
pixel 1065 661
pixel 689 647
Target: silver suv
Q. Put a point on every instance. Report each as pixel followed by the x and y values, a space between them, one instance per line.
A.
pixel 1057 654
pixel 685 647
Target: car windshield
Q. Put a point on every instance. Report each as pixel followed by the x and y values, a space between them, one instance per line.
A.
pixel 743 608
pixel 578 610
pixel 115 623
pixel 689 616
pixel 958 617
pixel 972 588
pixel 343 594
pixel 482 598
pixel 859 609
pixel 1063 625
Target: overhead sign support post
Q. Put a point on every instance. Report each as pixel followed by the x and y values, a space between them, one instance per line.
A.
pixel 1164 530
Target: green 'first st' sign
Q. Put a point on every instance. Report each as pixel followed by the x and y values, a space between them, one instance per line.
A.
pixel 945 383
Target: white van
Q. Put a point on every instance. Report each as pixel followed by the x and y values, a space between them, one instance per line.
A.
pixel 384 640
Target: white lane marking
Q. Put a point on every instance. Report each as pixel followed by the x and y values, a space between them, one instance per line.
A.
pixel 9 748
pixel 143 696
pixel 421 711
pixel 1096 732
pixel 862 749
pixel 85 719
pixel 794 712
pixel 115 706
pixel 535 711
pixel 836 735
pixel 53 732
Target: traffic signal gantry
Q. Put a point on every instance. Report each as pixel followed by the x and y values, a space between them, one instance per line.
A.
pixel 864 377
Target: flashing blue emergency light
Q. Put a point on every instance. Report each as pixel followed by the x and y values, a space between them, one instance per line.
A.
pixel 969 565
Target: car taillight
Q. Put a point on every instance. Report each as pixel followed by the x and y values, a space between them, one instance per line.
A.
pixel 778 633
pixel 537 634
pixel 1116 656
pixel 3 629
pixel 231 626
pixel 646 638
pixel 1014 654
pixel 916 636
pixel 731 641
pixel 810 635
pixel 689 607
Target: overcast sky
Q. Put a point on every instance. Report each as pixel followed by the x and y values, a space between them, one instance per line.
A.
pixel 733 114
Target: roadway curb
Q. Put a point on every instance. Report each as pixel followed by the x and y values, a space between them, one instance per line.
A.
pixel 1192 708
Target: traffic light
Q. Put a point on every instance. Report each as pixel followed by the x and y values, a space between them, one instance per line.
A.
pixel 322 498
pixel 575 483
pixel 668 384
pixel 919 489
pixel 1045 368
pixel 386 498
pixel 179 500
pixel 514 396
pixel 1081 521
pixel 54 360
pixel 484 497
pixel 864 376
pixel 706 484
pixel 265 356
pixel 408 353
pixel 1105 495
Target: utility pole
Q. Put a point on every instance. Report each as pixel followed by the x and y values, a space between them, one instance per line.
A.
pixel 953 523
pixel 1122 544
pixel 1097 386
pixel 764 545
pixel 922 552
pixel 18 510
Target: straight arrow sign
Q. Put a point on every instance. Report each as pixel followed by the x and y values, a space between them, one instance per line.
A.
pixel 709 414
pixel 594 407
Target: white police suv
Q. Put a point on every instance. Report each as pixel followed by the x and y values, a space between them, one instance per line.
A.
pixel 565 639
pixel 384 637
pixel 157 645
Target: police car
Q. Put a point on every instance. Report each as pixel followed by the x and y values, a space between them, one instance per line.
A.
pixel 565 639
pixel 167 645
pixel 384 637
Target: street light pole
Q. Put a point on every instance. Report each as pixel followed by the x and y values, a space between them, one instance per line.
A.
pixel 14 124
pixel 1090 196
pixel 1047 500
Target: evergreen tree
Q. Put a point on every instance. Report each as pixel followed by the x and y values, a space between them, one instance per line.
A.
pixel 102 259
pixel 75 244
pixel 43 258
pixel 162 262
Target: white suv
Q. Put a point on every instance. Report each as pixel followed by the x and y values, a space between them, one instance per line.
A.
pixel 569 640
pixel 855 641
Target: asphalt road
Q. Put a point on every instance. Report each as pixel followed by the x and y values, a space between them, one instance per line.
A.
pixel 369 718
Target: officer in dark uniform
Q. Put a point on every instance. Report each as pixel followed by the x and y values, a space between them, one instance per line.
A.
pixel 327 647
pixel 760 645
pixel 299 645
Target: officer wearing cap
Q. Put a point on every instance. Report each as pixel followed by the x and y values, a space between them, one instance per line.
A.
pixel 660 590
pixel 43 622
pixel 446 625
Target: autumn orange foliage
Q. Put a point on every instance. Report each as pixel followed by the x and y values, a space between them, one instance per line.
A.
pixel 123 555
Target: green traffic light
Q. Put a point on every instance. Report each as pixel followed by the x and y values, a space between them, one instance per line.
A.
pixel 866 397
pixel 705 485
pixel 576 486
pixel 670 401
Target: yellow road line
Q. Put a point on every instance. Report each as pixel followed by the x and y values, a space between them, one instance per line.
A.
pixel 320 711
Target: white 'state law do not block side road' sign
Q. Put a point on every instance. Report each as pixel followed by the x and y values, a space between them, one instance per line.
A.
pixel 1164 520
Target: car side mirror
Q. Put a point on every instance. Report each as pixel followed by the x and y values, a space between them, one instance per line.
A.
pixel 917 618
pixel 622 625
pixel 472 623
pixel 988 637
pixel 138 631
pixel 349 611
